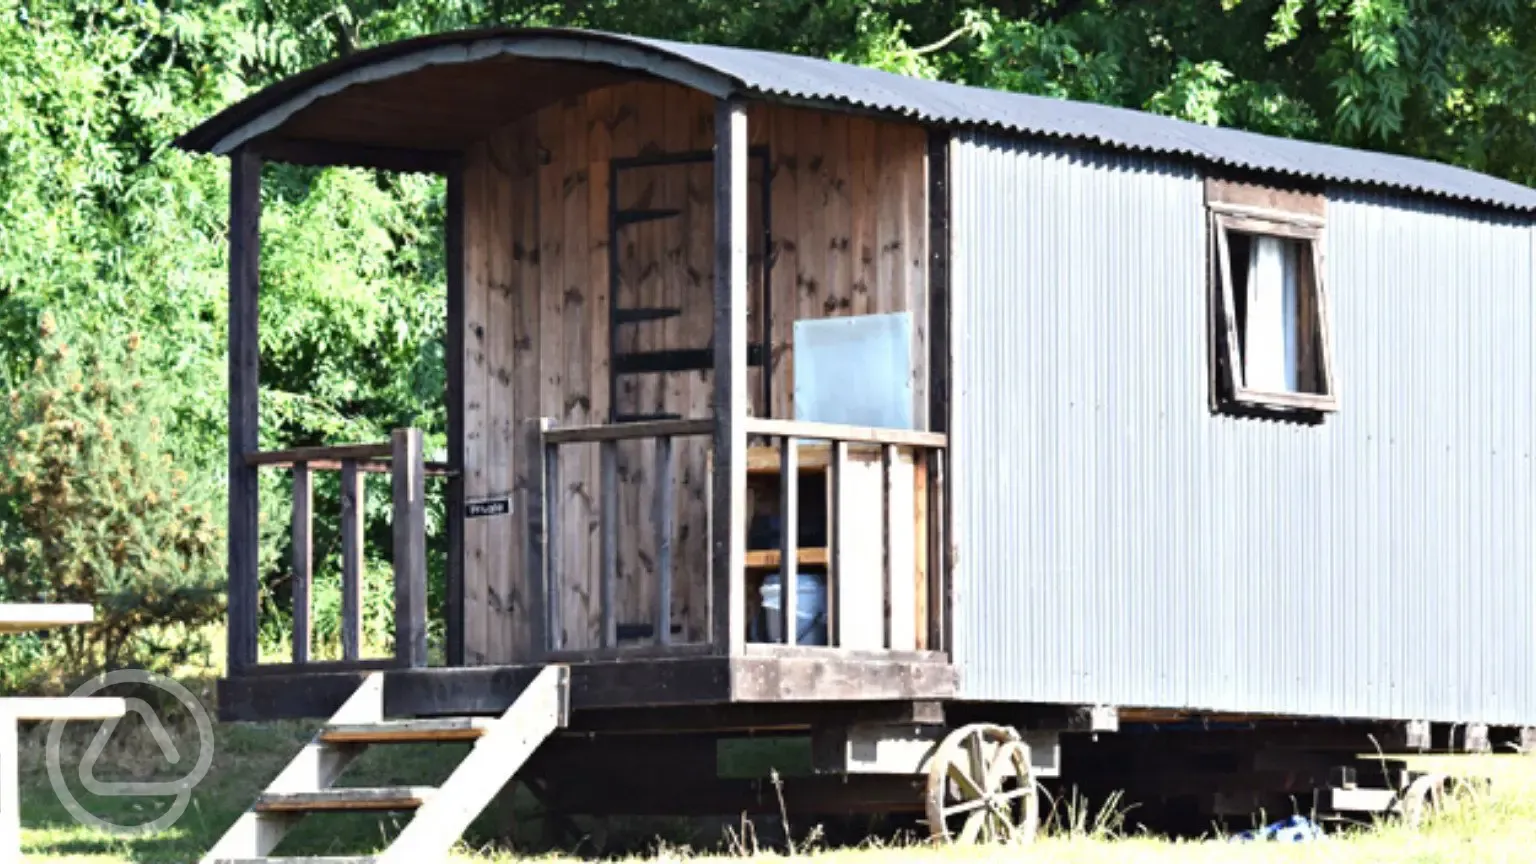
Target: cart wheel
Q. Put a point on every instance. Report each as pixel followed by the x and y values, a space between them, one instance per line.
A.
pixel 980 787
pixel 1423 796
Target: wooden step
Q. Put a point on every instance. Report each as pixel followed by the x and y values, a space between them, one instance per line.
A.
pixel 345 798
pixel 406 731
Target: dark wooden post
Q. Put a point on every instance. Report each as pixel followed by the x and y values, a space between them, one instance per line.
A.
pixel 303 558
pixel 554 585
pixel 244 384
pixel 453 240
pixel 352 501
pixel 664 526
pixel 410 541
pixel 608 528
pixel 729 483
pixel 940 579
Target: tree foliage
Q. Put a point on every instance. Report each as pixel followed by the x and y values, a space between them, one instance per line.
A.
pixel 102 218
pixel 96 509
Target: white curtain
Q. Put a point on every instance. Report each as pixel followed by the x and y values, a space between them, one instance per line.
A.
pixel 1270 358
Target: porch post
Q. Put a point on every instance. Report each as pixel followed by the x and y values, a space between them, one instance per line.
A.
pixel 244 275
pixel 729 482
pixel 453 238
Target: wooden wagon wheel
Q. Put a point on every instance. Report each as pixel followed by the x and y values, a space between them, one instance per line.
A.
pixel 981 788
pixel 1426 794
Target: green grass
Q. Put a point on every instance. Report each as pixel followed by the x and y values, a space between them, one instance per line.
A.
pixel 1499 827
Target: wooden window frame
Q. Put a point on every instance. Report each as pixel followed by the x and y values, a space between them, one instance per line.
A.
pixel 1268 212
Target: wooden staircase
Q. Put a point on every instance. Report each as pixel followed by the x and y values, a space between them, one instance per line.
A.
pixel 307 785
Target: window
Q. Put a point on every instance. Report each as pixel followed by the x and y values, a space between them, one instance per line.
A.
pixel 1271 350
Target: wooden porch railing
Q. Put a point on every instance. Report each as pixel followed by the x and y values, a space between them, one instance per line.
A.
pixel 928 450
pixel 927 454
pixel 401 457
pixel 546 528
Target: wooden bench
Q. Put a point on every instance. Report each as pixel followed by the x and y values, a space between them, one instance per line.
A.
pixel 21 618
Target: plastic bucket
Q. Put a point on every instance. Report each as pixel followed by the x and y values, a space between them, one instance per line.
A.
pixel 810 610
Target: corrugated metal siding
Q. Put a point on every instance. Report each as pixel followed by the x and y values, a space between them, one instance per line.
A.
pixel 1119 544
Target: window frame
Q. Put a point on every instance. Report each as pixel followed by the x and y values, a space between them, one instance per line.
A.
pixel 1266 212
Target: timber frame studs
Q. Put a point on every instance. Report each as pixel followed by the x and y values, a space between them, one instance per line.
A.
pixel 981 787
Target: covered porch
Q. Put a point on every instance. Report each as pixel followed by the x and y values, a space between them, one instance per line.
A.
pixel 692 334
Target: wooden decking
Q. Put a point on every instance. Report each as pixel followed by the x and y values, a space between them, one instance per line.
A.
pixel 764 674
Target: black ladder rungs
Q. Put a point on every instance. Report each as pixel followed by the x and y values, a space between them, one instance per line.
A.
pixel 636 316
pixel 634 217
pixel 681 360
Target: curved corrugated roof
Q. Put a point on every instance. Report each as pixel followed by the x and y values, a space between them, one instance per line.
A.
pixel 739 71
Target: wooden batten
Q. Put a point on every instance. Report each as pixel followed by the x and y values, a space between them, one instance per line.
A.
pixel 833 221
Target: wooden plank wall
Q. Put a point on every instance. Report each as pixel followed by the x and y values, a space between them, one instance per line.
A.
pixel 848 212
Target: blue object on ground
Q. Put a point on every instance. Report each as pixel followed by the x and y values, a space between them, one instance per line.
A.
pixel 1296 829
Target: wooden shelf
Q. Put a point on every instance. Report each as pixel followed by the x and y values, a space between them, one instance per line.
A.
pixel 765 559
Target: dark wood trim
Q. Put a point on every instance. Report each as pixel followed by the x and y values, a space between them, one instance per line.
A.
pixel 366 466
pixel 938 280
pixel 630 652
pixel 539 624
pixel 453 254
pixel 353 501
pixel 285 696
pixel 1231 381
pixel 803 687
pixel 940 364
pixel 629 431
pixel 300 151
pixel 1037 716
pixel 837 469
pixel 321 667
pixel 410 550
pixel 303 559
pixel 665 524
pixel 1278 202
pixel 608 542
pixel 746 716
pixel 554 639
pixel 729 476
pixel 244 395
pixel 491 689
pixel 335 453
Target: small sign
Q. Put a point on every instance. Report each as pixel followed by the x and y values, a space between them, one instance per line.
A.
pixel 488 507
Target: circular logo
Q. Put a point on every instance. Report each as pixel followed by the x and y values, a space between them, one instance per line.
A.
pixel 182 788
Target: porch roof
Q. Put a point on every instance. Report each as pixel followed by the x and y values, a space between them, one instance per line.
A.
pixel 438 93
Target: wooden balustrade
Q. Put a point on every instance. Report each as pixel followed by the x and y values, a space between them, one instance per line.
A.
pixel 548 527
pixel 402 458
pixel 852 539
pixel 844 549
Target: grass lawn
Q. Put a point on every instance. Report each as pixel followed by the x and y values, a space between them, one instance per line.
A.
pixel 1499 828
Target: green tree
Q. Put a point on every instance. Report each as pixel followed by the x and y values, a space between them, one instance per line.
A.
pixel 96 509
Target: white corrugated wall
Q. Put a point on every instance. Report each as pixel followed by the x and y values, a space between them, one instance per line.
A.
pixel 1119 544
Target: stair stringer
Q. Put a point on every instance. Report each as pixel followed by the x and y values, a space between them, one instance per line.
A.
pixel 506 746
pixel 317 766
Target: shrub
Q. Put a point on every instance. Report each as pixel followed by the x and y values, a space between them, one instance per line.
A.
pixel 94 508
